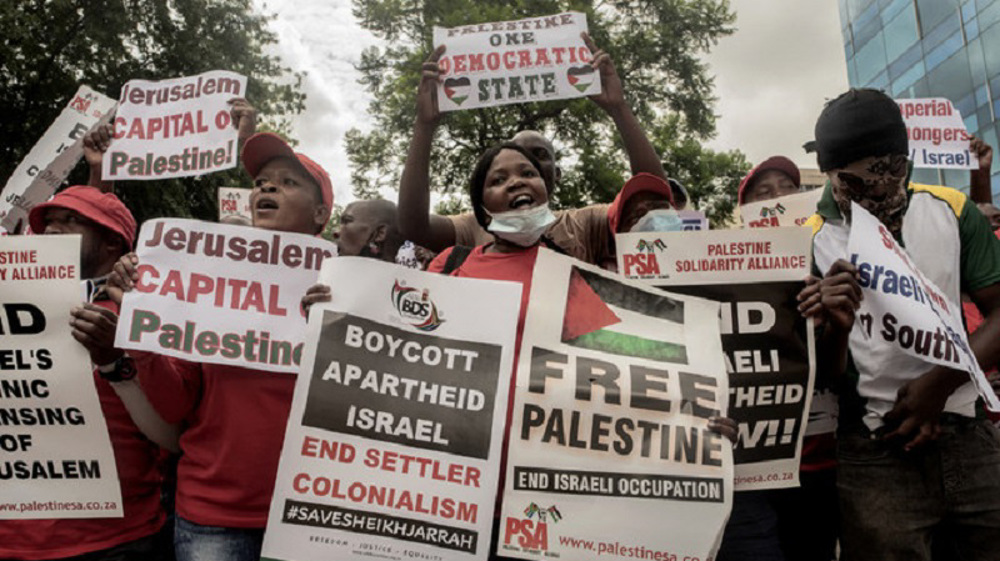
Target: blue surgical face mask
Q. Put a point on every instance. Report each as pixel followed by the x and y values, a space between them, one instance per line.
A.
pixel 523 227
pixel 659 220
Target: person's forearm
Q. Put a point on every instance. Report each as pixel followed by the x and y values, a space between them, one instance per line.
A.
pixel 415 222
pixel 980 190
pixel 97 181
pixel 642 156
pixel 145 417
pixel 983 341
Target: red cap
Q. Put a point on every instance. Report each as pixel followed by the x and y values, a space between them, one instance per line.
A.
pixel 637 184
pixel 266 146
pixel 103 208
pixel 778 163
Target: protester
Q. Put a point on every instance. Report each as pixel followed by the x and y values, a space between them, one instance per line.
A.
pixel 775 177
pixel 804 519
pixel 107 230
pixel 509 193
pixel 235 417
pixel 639 196
pixel 581 233
pixel 369 229
pixel 913 460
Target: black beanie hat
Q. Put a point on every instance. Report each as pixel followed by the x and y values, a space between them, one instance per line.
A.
pixel 859 124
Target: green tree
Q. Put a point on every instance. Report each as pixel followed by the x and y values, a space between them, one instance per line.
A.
pixel 655 44
pixel 50 47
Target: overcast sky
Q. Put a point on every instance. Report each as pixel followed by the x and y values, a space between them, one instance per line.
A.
pixel 771 76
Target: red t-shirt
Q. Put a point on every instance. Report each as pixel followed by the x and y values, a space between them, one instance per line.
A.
pixel 234 427
pixel 137 461
pixel 517 267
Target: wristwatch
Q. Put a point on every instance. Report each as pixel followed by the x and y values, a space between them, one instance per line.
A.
pixel 120 370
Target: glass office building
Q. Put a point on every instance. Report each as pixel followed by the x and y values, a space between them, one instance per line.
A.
pixel 931 48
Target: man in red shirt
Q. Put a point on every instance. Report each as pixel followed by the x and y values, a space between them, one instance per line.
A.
pixel 107 229
pixel 234 417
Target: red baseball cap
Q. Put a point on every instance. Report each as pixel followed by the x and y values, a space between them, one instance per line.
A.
pixel 266 146
pixel 637 184
pixel 103 208
pixel 778 163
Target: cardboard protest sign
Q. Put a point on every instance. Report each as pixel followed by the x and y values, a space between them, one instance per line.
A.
pixel 904 309
pixel 175 128
pixel 938 138
pixel 790 210
pixel 534 59
pixel 52 158
pixel 57 460
pixel 234 201
pixel 769 348
pixel 393 443
pixel 221 294
pixel 610 456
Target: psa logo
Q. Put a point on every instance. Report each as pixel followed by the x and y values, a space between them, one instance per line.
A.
pixel 532 533
pixel 415 307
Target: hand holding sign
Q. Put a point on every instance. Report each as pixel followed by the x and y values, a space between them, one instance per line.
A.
pixel 123 277
pixel 244 118
pixel 428 112
pixel 94 327
pixel 96 143
pixel 834 298
pixel 983 153
pixel 612 93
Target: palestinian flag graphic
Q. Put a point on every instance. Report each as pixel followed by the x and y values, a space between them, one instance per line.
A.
pixel 457 89
pixel 605 315
pixel 581 77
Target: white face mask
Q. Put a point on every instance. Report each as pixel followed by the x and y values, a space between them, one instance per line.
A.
pixel 523 227
pixel 659 220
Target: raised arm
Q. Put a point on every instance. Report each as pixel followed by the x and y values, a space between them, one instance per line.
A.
pixel 980 190
pixel 415 221
pixel 642 156
pixel 94 327
pixel 95 144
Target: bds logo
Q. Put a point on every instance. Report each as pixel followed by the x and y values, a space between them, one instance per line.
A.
pixel 530 534
pixel 415 307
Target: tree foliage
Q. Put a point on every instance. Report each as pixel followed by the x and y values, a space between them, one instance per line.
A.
pixel 50 47
pixel 655 44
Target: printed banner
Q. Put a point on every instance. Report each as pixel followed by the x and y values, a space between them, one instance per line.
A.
pixel 175 128
pixel 56 459
pixel 534 59
pixel 905 309
pixel 53 157
pixel 610 454
pixel 234 201
pixel 790 210
pixel 221 294
pixel 393 444
pixel 938 138
pixel 769 348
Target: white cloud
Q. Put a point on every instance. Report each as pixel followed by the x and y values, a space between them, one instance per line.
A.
pixel 772 77
pixel 324 40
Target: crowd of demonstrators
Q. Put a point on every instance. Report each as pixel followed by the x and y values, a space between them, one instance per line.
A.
pixel 107 230
pixel 913 471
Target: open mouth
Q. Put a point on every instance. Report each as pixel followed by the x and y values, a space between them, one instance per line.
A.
pixel 523 200
pixel 266 204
